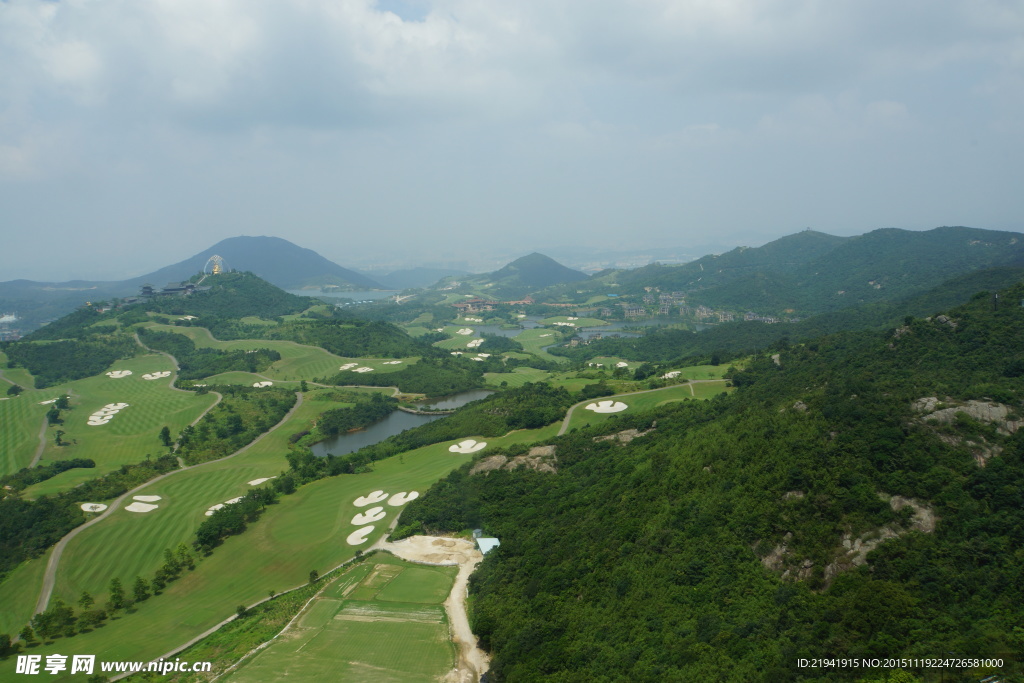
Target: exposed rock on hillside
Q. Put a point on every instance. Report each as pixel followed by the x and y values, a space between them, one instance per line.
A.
pixel 540 458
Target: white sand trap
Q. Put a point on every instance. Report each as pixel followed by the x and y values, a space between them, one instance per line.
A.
pixel 260 385
pixel 363 369
pixel 214 508
pixel 97 423
pixel 671 375
pixel 467 446
pixel 373 497
pixel 475 343
pixel 374 514
pixel 157 375
pixel 358 536
pixel 199 385
pixel 348 366
pixel 45 403
pixel 94 507
pixel 465 330
pixel 454 353
pixel 141 507
pixel 118 374
pixel 233 500
pixel 473 320
pixel 403 498
pixel 257 482
pixel 572 318
pixel 481 360
pixel 607 406
pixel 483 355
pixel 187 317
pixel 393 362
pixel 117 406
pixel 146 499
pixel 546 335
pixel 622 364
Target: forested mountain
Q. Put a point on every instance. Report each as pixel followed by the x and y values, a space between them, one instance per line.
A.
pixel 743 336
pixel 276 260
pixel 811 272
pixel 523 276
pixel 858 496
pixel 408 278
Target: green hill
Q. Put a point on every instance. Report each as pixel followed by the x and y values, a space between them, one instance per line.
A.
pixel 823 510
pixel 523 276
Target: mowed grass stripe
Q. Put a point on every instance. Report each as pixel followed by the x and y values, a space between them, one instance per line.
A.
pixel 132 433
pixel 20 420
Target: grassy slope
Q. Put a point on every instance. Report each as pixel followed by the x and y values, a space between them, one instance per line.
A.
pixel 639 402
pixel 298 361
pixel 21 418
pixel 131 434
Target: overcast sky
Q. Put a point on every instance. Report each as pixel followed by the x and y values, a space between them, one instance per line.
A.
pixel 135 133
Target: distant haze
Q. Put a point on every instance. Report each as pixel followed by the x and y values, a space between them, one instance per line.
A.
pixel 462 134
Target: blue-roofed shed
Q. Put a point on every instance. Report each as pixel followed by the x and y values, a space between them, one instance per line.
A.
pixel 487 544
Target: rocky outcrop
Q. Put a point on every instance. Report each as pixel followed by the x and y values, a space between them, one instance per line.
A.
pixel 944 412
pixel 539 458
pixel 626 435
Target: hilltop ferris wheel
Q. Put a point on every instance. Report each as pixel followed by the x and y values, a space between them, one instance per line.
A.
pixel 214 265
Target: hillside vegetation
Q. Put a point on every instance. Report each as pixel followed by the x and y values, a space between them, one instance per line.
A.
pixel 734 537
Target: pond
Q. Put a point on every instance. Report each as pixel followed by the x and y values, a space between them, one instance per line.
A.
pixel 395 423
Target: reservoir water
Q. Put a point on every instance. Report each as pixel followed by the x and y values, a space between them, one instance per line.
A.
pixel 394 423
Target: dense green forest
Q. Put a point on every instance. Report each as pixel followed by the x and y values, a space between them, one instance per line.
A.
pixel 63 361
pixel 431 376
pixel 724 544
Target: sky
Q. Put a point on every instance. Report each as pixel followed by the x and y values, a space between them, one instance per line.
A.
pixel 136 133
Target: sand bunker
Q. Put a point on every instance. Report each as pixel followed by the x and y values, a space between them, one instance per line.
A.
pixel 233 500
pixel 622 364
pixel 475 343
pixel 403 498
pixel 393 362
pixel 44 403
pixel 374 514
pixel 104 414
pixel 157 375
pixel 141 507
pixel 358 536
pixel 481 360
pixel 146 499
pixel 547 335
pixel 566 324
pixel 94 507
pixel 671 375
pixel 187 317
pixel 118 374
pixel 607 406
pixel 473 320
pixel 468 446
pixel 363 369
pixel 465 330
pixel 454 353
pixel 483 355
pixel 257 482
pixel 214 508
pixel 260 385
pixel 572 318
pixel 348 366
pixel 373 497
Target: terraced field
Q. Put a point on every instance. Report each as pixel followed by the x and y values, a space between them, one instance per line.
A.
pixel 380 621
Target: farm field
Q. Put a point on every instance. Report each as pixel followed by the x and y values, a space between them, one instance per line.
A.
pixel 381 620
pixel 131 434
